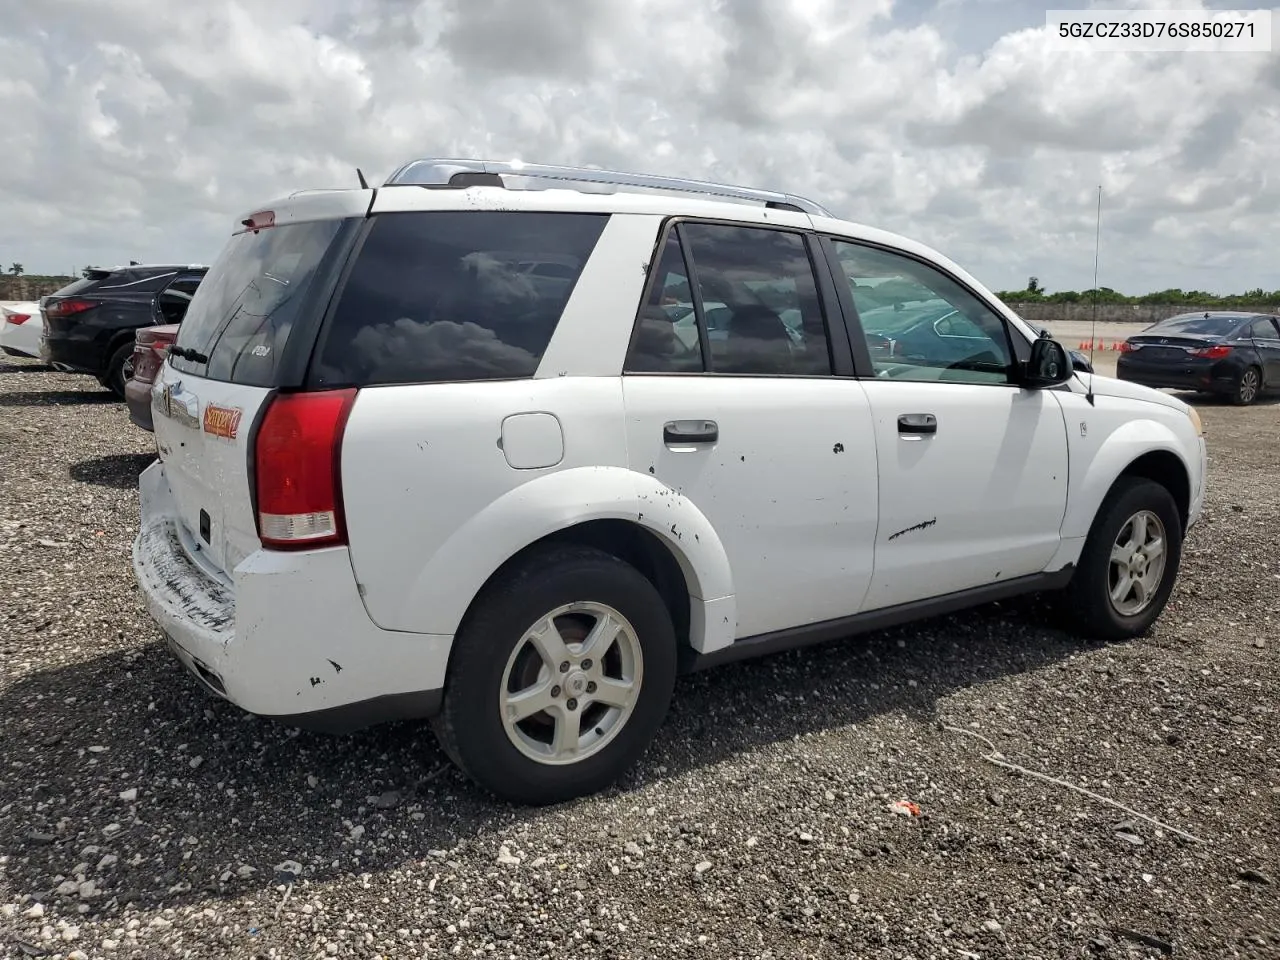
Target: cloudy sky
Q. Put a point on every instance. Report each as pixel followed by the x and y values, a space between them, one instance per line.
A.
pixel 137 129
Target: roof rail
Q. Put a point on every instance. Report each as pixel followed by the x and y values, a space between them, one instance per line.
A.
pixel 514 174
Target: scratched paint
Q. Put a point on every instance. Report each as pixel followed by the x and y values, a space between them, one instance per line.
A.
pixel 918 527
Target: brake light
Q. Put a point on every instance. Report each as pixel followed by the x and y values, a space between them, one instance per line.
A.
pixel 68 307
pixel 17 319
pixel 297 470
pixel 1211 353
pixel 1127 347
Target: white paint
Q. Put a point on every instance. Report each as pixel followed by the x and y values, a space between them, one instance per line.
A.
pixel 532 441
pixel 23 338
pixel 809 506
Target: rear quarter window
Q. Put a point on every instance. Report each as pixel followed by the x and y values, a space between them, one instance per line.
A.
pixel 454 296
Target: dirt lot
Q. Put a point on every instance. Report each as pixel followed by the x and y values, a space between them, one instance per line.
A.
pixel 140 818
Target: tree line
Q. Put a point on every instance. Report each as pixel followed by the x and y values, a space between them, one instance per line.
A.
pixel 1035 293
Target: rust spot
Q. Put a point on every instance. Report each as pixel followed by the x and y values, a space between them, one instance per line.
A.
pixel 838 448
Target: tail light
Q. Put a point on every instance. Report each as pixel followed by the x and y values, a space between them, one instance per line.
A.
pixel 17 319
pixel 297 470
pixel 148 356
pixel 1127 347
pixel 1211 353
pixel 68 307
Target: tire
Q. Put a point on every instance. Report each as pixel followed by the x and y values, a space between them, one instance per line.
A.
pixel 494 657
pixel 1247 387
pixel 113 378
pixel 1090 592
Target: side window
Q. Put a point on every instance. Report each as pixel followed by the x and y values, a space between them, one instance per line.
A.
pixel 1263 330
pixel 760 311
pixel 176 297
pixel 920 324
pixel 665 338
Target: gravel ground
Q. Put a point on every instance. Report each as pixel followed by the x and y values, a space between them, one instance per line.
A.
pixel 140 818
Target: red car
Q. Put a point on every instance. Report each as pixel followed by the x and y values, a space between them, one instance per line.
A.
pixel 150 347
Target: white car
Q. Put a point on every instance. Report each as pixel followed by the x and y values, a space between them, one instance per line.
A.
pixel 399 479
pixel 20 329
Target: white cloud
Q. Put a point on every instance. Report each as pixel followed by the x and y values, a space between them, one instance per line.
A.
pixel 136 131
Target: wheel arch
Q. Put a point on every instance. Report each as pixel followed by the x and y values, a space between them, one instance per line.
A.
pixel 1140 448
pixel 632 516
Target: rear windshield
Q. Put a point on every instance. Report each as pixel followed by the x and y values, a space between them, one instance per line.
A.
pixel 77 286
pixel 1197 324
pixel 246 306
pixel 455 296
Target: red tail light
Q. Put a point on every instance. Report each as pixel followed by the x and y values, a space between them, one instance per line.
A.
pixel 68 307
pixel 1127 347
pixel 17 319
pixel 1211 353
pixel 297 468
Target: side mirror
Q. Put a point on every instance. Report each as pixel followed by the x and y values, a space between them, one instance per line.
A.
pixel 1049 365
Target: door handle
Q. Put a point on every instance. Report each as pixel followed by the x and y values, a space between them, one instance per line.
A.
pixel 914 426
pixel 678 432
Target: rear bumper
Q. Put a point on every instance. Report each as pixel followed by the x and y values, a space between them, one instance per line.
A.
pixel 138 398
pixel 21 339
pixel 287 635
pixel 1199 376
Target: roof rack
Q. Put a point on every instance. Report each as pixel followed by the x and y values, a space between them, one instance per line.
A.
pixel 517 175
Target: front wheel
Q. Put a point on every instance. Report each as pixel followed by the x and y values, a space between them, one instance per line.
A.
pixel 559 678
pixel 1130 561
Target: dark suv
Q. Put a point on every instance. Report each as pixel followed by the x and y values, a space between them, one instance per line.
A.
pixel 90 323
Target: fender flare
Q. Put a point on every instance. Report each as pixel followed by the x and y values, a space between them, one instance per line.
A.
pixel 445 587
pixel 1125 446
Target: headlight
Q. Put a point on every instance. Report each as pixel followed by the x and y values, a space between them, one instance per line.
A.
pixel 1194 415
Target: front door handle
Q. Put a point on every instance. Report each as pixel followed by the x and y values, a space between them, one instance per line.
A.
pixel 677 432
pixel 914 426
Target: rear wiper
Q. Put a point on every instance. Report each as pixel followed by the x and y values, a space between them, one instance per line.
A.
pixel 186 353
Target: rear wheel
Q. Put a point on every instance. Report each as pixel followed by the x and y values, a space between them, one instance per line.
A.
pixel 119 369
pixel 1247 387
pixel 559 678
pixel 1130 561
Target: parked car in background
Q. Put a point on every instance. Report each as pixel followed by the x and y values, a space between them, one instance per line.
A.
pixel 150 347
pixel 20 329
pixel 397 478
pixel 1236 355
pixel 90 323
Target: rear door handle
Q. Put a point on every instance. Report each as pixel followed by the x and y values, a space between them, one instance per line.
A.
pixel 914 426
pixel 676 432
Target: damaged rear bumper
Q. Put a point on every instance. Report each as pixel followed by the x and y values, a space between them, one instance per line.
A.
pixel 286 636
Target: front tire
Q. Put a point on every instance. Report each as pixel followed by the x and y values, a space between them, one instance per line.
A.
pixel 1130 561
pixel 1247 387
pixel 559 678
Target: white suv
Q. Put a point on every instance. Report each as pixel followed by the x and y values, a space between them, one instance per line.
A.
pixel 405 472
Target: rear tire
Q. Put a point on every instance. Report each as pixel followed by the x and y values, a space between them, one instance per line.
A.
pixel 117 372
pixel 1247 387
pixel 559 678
pixel 1129 563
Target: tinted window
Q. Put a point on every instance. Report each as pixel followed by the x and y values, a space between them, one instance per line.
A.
pixel 247 304
pixel 1263 330
pixel 450 296
pixel 760 308
pixel 919 323
pixel 176 298
pixel 1214 326
pixel 137 281
pixel 665 338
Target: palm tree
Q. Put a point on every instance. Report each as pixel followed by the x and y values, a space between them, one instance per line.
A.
pixel 17 270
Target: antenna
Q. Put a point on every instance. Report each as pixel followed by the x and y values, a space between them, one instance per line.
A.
pixel 364 184
pixel 1093 331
